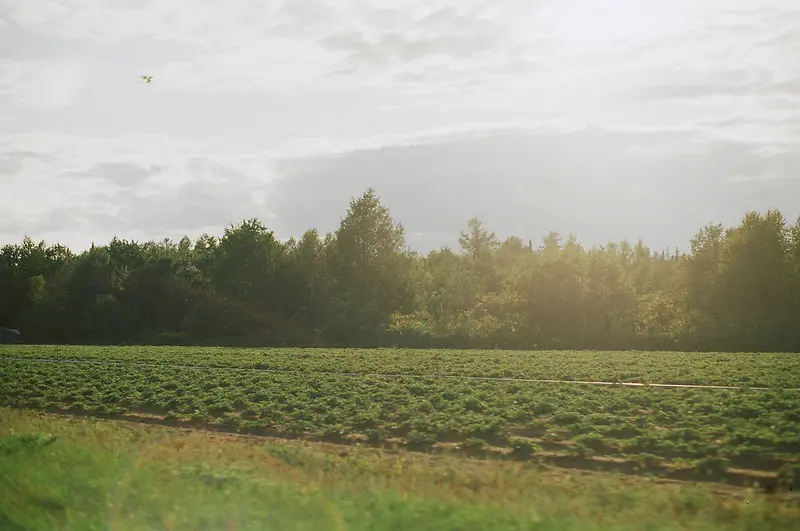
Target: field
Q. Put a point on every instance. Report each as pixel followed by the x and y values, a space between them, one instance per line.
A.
pixel 77 473
pixel 741 369
pixel 421 400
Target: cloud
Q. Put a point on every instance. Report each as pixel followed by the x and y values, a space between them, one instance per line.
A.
pixel 496 55
pixel 82 189
pixel 660 184
pixel 729 54
pixel 403 36
pixel 45 155
pixel 191 21
pixel 124 175
pixel 781 129
pixel 193 207
pixel 733 84
pixel 32 14
pixel 395 47
pixel 587 182
pixel 146 213
pixel 446 97
pixel 41 84
pixel 277 45
pixel 11 164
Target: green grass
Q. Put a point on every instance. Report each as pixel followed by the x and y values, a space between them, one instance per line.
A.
pixel 753 369
pixel 58 473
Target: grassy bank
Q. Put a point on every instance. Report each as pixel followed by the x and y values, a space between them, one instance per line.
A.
pixel 64 473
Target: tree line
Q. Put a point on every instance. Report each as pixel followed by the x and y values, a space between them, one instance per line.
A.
pixel 737 288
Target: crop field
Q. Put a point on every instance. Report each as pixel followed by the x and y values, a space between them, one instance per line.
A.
pixel 740 369
pixel 398 398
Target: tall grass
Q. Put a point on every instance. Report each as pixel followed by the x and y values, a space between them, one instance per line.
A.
pixel 61 473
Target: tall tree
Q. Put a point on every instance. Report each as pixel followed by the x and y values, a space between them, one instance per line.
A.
pixel 476 241
pixel 480 246
pixel 370 268
pixel 753 281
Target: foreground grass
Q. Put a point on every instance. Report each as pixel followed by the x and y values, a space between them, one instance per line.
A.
pixel 62 473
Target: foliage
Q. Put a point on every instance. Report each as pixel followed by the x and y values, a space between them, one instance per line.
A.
pixel 738 289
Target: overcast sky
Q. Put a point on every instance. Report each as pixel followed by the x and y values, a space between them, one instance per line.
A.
pixel 607 119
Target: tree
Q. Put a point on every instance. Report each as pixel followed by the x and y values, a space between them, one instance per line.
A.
pixel 510 251
pixel 477 242
pixel 91 311
pixel 245 279
pixel 246 261
pixel 370 271
pixel 738 288
pixel 306 279
pixel 753 280
pixel 702 279
pixel 479 246
pixel 550 290
pixel 608 297
pixel 551 243
pixel 447 286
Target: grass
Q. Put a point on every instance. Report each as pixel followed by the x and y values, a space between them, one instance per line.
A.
pixel 66 473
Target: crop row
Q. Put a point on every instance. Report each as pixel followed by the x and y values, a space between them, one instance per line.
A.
pixel 687 423
pixel 741 369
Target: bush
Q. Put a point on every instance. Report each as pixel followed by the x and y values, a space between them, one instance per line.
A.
pixel 523 447
pixel 712 465
pixel 594 441
pixel 473 443
pixel 420 439
pixel 649 460
pixel 789 475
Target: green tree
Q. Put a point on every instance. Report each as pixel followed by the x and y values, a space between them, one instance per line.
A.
pixel 480 246
pixel 753 280
pixel 370 272
pixel 476 241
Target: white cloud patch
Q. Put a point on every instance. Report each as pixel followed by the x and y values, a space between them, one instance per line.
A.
pixel 79 190
pixel 33 13
pixel 530 54
pixel 41 84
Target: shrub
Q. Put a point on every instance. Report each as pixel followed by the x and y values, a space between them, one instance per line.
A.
pixel 712 465
pixel 523 447
pixel 567 418
pixel 474 443
pixel 420 439
pixel 591 440
pixel 649 460
pixel 789 475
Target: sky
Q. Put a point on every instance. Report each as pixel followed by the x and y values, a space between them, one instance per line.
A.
pixel 609 120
